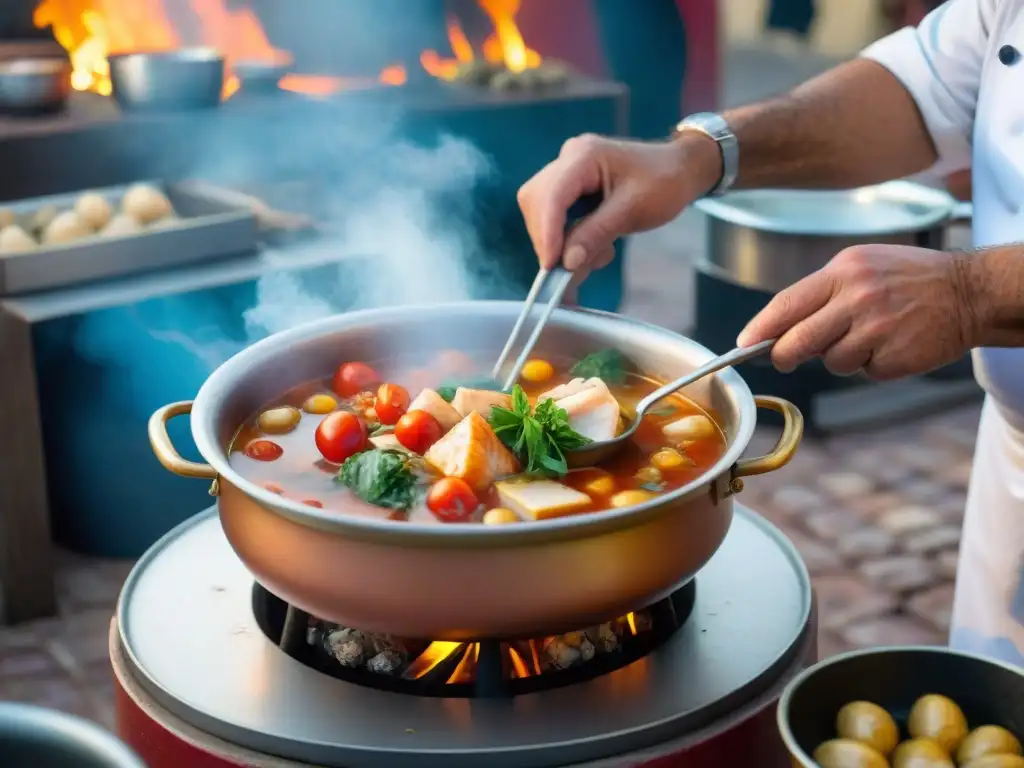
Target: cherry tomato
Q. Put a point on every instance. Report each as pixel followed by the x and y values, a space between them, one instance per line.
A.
pixel 263 450
pixel 313 503
pixel 340 435
pixel 452 500
pixel 352 378
pixel 392 402
pixel 418 430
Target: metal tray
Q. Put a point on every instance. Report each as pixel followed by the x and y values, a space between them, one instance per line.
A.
pixel 210 227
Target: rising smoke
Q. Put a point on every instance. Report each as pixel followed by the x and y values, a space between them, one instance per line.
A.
pixel 398 216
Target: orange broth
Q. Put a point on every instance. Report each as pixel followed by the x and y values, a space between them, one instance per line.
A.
pixel 302 474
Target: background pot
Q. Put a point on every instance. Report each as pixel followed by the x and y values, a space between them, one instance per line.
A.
pixel 44 738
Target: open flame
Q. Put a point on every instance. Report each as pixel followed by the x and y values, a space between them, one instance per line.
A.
pixel 92 30
pixel 504 47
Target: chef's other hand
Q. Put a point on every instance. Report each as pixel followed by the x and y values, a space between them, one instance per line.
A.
pixel 889 310
pixel 644 185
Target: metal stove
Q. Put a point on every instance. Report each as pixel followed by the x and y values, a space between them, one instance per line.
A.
pixel 203 679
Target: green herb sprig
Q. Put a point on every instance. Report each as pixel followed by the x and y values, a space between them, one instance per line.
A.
pixel 609 365
pixel 383 478
pixel 539 437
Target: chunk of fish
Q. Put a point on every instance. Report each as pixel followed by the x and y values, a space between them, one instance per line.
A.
pixel 693 427
pixel 473 452
pixel 541 499
pixel 593 411
pixel 428 400
pixel 569 388
pixel 467 401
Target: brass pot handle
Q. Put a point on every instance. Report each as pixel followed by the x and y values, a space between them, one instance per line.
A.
pixel 785 448
pixel 164 449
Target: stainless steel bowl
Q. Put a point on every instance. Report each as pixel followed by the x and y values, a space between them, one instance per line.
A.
pixel 458 582
pixel 43 738
pixel 33 85
pixel 189 78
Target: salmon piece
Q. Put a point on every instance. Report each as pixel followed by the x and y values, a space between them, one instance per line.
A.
pixel 472 452
pixel 467 401
pixel 593 412
pixel 428 400
pixel 569 388
pixel 541 499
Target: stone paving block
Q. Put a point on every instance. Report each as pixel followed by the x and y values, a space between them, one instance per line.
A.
pixel 83 637
pixel 844 600
pixel 933 540
pixel 793 499
pixel 866 543
pixel 908 519
pixel 831 525
pixel 891 630
pixel 846 485
pixel 900 573
pixel 818 558
pixel 872 505
pixel 933 607
pixel 946 563
pixel 830 644
pixel 59 692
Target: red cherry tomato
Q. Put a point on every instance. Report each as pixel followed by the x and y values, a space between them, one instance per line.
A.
pixel 392 402
pixel 263 450
pixel 418 430
pixel 452 500
pixel 340 435
pixel 352 378
pixel 313 503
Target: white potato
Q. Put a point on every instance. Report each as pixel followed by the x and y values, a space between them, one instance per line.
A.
pixel 66 228
pixel 94 210
pixel 122 224
pixel 146 204
pixel 14 239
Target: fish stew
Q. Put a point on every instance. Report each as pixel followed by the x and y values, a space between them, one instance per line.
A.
pixel 436 445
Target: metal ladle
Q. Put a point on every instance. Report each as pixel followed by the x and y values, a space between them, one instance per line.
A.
pixel 599 450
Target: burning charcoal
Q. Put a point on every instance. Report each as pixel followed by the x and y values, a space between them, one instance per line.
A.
pixel 348 646
pixel 385 663
pixel 587 650
pixel 552 73
pixel 573 639
pixel 476 72
pixel 642 621
pixel 603 638
pixel 557 654
pixel 506 81
pixel 389 644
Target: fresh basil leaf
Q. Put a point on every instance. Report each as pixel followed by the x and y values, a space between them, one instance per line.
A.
pixel 382 478
pixel 538 437
pixel 609 365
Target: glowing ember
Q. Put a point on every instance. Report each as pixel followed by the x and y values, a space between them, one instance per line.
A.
pixel 505 47
pixel 92 30
pixel 631 621
pixel 435 653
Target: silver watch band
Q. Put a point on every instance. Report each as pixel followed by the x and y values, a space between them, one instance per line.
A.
pixel 715 127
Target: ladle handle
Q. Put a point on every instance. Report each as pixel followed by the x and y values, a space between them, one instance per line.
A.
pixel 735 357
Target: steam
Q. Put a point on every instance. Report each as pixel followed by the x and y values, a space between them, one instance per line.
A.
pixel 398 217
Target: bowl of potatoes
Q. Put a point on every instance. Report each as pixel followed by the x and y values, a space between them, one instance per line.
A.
pixel 905 707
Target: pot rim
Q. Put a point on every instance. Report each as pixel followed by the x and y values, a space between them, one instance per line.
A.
pixel 941 203
pixel 233 370
pixel 782 711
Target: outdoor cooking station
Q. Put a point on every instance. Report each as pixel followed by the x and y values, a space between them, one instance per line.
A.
pixel 210 674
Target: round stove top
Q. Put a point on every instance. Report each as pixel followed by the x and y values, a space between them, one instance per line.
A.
pixel 186 626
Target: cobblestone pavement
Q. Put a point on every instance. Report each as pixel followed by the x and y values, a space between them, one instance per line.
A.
pixel 876 517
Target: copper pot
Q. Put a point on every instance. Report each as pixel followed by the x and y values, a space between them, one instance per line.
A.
pixel 460 582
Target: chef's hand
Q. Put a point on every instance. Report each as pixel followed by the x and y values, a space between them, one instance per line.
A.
pixel 889 310
pixel 644 185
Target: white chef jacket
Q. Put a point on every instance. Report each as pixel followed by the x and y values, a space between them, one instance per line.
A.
pixel 964 66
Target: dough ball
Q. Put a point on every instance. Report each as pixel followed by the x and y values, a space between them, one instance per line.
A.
pixel 168 222
pixel 146 204
pixel 121 225
pixel 7 217
pixel 66 228
pixel 94 210
pixel 42 218
pixel 14 239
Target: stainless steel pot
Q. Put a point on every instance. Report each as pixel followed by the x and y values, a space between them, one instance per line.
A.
pixel 43 738
pixel 768 239
pixel 34 85
pixel 459 582
pixel 188 78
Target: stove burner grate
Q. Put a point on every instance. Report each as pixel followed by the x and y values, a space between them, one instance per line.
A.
pixel 485 669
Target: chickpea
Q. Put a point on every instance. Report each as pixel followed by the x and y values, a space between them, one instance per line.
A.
pixel 278 421
pixel 601 484
pixel 629 498
pixel 320 404
pixel 537 371
pixel 500 516
pixel 669 459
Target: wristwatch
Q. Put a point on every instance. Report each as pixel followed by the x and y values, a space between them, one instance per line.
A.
pixel 716 128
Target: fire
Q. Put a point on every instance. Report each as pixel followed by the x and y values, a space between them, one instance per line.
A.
pixel 92 30
pixel 505 46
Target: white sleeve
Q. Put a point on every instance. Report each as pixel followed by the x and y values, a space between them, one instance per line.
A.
pixel 940 64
